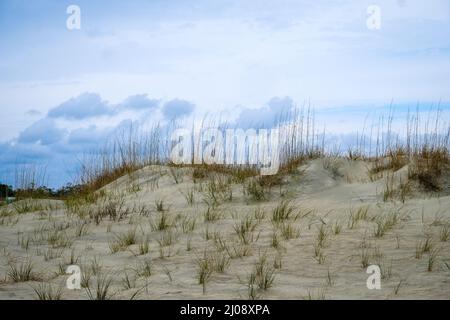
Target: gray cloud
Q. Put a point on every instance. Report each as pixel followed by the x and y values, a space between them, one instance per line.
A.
pixel 177 108
pixel 44 131
pixel 267 115
pixel 139 102
pixel 84 106
pixel 22 153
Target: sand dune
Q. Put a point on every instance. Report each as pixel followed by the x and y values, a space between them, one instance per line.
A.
pixel 339 222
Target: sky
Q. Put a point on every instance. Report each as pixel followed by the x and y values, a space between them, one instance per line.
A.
pixel 64 91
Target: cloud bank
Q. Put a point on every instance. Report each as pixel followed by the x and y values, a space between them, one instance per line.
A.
pixel 81 125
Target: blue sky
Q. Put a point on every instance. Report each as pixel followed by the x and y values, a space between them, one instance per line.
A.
pixel 62 91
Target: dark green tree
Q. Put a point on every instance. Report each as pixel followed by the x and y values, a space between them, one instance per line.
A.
pixel 6 191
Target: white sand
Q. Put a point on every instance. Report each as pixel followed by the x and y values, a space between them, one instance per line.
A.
pixel 330 188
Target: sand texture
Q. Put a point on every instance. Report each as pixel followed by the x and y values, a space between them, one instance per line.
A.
pixel 165 233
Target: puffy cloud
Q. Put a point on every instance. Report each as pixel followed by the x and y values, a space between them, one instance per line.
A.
pixel 267 115
pixel 177 108
pixel 139 102
pixel 44 131
pixel 84 106
pixel 11 154
pixel 84 135
pixel 281 105
pixel 84 139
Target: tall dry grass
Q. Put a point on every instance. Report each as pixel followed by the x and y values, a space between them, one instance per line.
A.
pixel 30 181
pixel 422 141
pixel 125 152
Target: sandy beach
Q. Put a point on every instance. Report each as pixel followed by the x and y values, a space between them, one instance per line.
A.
pixel 178 233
